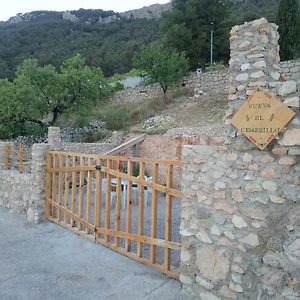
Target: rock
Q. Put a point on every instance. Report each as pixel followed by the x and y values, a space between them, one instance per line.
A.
pixel 238 222
pixel 237 269
pixel 247 158
pixel 244 44
pixel 276 199
pixel 224 207
pixel 204 283
pixel 291 138
pixel 260 64
pixel 272 259
pixel 237 195
pixel 257 75
pixel 245 67
pixel 251 240
pixel 242 77
pixel 220 195
pixel 235 287
pixel 287 88
pixel 292 102
pixel 269 173
pixel 220 185
pixel 286 161
pixel 270 186
pixel 185 255
pixel 215 230
pixel 254 213
pixel 203 237
pixel 227 293
pixel 213 263
pixel 275 75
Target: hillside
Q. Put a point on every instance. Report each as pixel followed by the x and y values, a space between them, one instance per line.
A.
pixel 105 38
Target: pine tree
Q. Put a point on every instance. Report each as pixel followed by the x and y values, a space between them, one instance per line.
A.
pixel 288 21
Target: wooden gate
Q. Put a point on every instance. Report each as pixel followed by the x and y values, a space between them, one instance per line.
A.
pixel 123 203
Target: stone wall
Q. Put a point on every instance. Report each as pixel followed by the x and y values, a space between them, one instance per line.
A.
pixel 89 148
pixel 290 69
pixel 240 211
pixel 25 193
pixel 240 224
pixel 211 83
pixel 15 191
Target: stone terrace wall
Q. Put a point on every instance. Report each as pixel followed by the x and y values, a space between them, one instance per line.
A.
pixel 240 213
pixel 89 148
pixel 290 70
pixel 211 83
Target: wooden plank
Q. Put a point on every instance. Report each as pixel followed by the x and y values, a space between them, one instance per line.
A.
pixel 60 187
pixel 73 169
pixel 88 195
pixel 53 209
pixel 107 204
pixel 150 184
pixel 127 145
pixel 141 211
pixel 153 232
pixel 98 198
pixel 143 239
pixel 80 199
pixel 168 220
pixel 128 225
pixel 74 191
pixel 48 186
pixel 118 208
pixel 67 186
pixel 164 162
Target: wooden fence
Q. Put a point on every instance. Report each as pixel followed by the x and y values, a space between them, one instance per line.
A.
pixel 119 202
pixel 17 157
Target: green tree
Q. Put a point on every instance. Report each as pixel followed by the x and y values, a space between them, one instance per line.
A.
pixel 163 66
pixel 39 95
pixel 288 21
pixel 188 26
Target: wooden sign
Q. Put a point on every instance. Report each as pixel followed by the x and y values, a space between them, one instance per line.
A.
pixel 261 118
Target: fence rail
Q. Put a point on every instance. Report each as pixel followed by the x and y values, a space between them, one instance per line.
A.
pixel 17 157
pixel 120 202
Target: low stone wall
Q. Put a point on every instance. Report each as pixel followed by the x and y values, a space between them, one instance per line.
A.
pixel 240 224
pixel 290 70
pixel 89 148
pixel 25 193
pixel 15 191
pixel 211 83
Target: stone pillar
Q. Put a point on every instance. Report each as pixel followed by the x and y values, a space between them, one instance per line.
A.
pixel 255 63
pixel 54 139
pixel 36 209
pixel 240 228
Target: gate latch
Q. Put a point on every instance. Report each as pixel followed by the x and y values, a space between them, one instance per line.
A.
pixel 98 167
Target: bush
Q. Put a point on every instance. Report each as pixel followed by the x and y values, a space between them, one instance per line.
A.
pixel 116 117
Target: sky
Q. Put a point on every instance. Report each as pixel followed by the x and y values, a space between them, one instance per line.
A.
pixel 12 7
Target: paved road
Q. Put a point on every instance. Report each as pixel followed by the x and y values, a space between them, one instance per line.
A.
pixel 45 261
